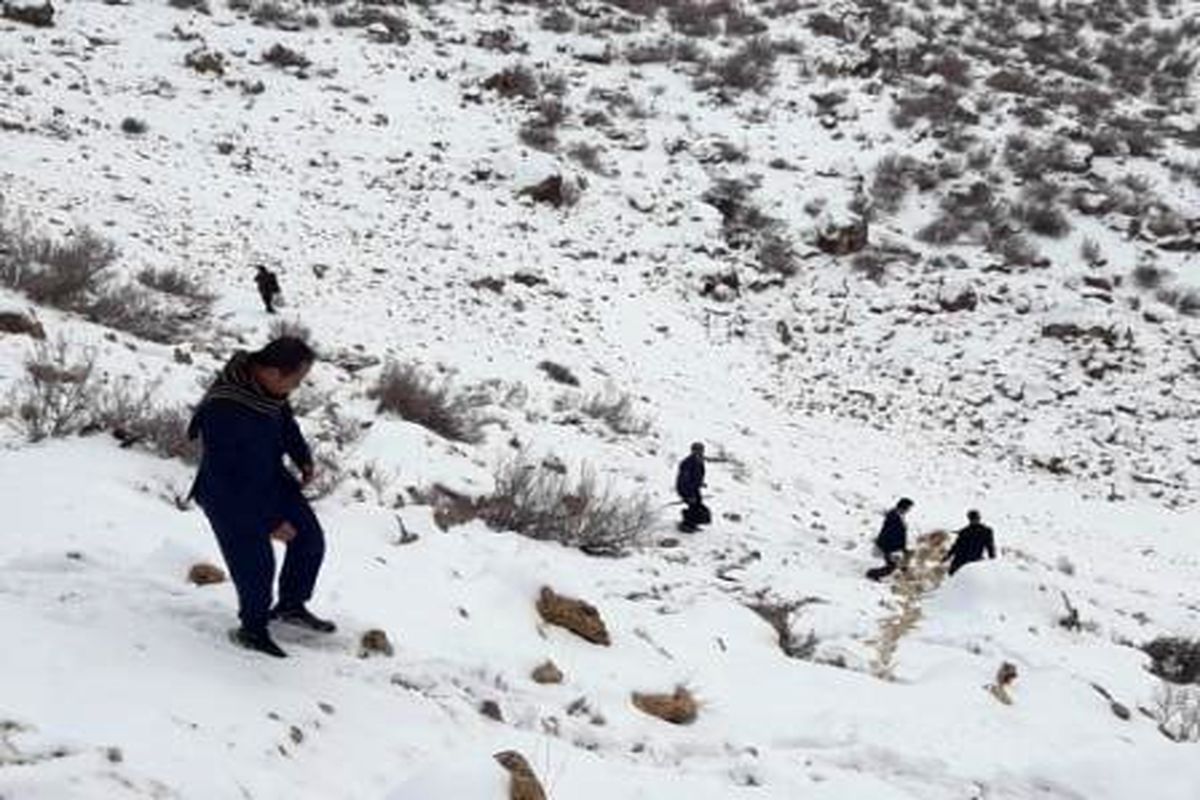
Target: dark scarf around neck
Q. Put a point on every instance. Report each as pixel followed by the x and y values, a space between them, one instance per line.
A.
pixel 235 382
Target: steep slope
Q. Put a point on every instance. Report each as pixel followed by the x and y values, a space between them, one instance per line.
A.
pixel 682 282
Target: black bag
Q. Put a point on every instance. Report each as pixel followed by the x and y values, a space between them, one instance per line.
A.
pixel 697 514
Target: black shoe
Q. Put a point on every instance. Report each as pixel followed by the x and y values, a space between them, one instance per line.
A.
pixel 258 641
pixel 685 527
pixel 301 617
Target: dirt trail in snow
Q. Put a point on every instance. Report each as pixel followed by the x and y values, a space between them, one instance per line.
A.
pixel 923 573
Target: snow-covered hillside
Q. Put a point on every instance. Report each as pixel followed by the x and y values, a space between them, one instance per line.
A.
pixel 1016 333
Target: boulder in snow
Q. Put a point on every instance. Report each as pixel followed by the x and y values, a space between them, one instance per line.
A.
pixel 18 323
pixel 577 616
pixel 39 15
pixel 547 672
pixel 523 783
pixel 678 708
pixel 842 238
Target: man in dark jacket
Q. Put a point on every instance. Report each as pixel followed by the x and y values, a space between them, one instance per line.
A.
pixel 971 543
pixel 246 426
pixel 268 287
pixel 892 541
pixel 688 483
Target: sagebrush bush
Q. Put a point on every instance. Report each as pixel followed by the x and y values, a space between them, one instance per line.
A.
pixel 136 420
pixel 616 410
pixel 56 273
pixel 750 68
pixel 1177 711
pixel 54 398
pixel 403 390
pixel 174 282
pixel 546 504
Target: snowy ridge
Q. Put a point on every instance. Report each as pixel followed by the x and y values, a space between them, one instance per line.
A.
pixel 384 181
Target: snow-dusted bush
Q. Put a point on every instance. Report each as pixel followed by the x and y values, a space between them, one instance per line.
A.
pixel 174 282
pixel 55 396
pixel 546 504
pixel 136 420
pixel 1177 711
pixel 616 411
pixel 403 390
pixel 52 272
pixel 750 68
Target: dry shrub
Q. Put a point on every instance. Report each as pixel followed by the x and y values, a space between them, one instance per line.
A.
pixel 699 18
pixel 366 14
pixel 750 68
pixel 405 391
pixel 54 399
pixel 678 708
pixel 548 505
pixel 616 411
pixel 55 273
pixel 515 81
pixel 136 420
pixel 174 282
pixel 894 176
pixel 1177 711
pixel 779 616
pixel 1174 659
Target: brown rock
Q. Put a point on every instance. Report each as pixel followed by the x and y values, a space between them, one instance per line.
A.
pixel 204 574
pixel 491 710
pixel 38 16
pixel 577 616
pixel 375 642
pixel 523 783
pixel 547 672
pixel 678 708
pixel 13 322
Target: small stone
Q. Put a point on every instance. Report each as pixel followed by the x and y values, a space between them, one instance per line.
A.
pixel 205 574
pixel 491 710
pixel 547 672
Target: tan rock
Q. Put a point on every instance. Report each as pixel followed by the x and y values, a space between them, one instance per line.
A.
pixel 577 616
pixel 375 642
pixel 523 783
pixel 547 672
pixel 678 708
pixel 205 574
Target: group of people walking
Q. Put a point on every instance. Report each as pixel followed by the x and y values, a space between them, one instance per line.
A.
pixel 247 427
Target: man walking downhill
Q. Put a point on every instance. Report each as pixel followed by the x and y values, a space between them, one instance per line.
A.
pixel 971 543
pixel 688 483
pixel 268 287
pixel 246 426
pixel 892 541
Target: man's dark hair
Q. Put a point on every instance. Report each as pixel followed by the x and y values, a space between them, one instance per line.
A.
pixel 973 516
pixel 288 354
pixel 904 504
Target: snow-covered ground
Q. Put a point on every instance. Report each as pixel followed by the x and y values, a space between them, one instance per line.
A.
pixel 383 183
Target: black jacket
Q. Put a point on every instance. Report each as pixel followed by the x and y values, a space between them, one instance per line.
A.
pixel 690 477
pixel 970 545
pixel 894 534
pixel 268 283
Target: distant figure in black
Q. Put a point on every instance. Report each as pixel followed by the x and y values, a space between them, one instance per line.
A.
pixel 971 543
pixel 268 287
pixel 892 541
pixel 246 425
pixel 688 484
